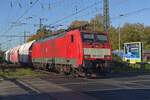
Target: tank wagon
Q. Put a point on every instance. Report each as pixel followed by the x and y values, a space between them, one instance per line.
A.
pixel 14 56
pixel 7 53
pixel 20 54
pixel 25 53
pixel 73 52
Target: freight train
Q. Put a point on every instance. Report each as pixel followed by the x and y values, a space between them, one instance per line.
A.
pixel 73 52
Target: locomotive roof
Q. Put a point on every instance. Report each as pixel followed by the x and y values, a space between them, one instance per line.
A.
pixel 88 31
pixel 56 35
pixel 51 36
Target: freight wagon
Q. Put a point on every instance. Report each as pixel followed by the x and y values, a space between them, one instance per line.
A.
pixel 20 54
pixel 14 56
pixel 25 53
pixel 7 56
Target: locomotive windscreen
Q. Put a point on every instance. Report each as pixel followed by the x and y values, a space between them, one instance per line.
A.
pixel 101 38
pixel 88 37
pixel 92 37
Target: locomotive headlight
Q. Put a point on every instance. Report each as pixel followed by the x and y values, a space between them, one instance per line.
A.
pixel 87 56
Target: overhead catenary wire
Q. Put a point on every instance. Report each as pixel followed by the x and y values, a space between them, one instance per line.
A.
pixel 75 13
pixel 20 17
pixel 25 12
pixel 84 15
pixel 131 13
pixel 1 36
pixel 59 19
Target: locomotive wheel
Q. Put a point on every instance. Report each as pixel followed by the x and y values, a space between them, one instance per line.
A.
pixel 67 70
pixel 88 73
pixel 74 72
pixel 57 69
pixel 50 67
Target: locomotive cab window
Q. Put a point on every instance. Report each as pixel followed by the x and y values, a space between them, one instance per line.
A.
pixel 88 37
pixel 101 38
pixel 93 37
pixel 72 39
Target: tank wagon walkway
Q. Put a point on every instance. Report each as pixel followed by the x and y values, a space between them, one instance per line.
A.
pixel 136 87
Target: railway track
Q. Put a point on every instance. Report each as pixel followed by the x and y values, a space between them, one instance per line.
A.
pixel 5 66
pixel 61 87
pixel 13 67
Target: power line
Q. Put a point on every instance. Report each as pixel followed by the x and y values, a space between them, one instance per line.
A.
pixel 1 36
pixel 131 13
pixel 75 13
pixel 84 15
pixel 26 11
pixel 119 3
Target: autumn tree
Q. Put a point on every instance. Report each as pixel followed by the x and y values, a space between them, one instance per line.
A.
pixel 78 24
pixel 40 33
pixel 146 37
pixel 96 23
pixel 113 37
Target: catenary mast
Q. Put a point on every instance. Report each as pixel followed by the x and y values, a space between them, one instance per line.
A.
pixel 106 19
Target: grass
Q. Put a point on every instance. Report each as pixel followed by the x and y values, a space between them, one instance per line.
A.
pixel 132 68
pixel 28 72
pixel 21 72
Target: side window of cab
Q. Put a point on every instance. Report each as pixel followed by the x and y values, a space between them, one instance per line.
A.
pixel 72 39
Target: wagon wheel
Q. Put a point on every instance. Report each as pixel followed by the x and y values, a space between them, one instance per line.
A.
pixel 74 73
pixel 57 69
pixel 67 70
pixel 50 67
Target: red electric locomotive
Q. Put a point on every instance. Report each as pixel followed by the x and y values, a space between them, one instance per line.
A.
pixel 73 52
